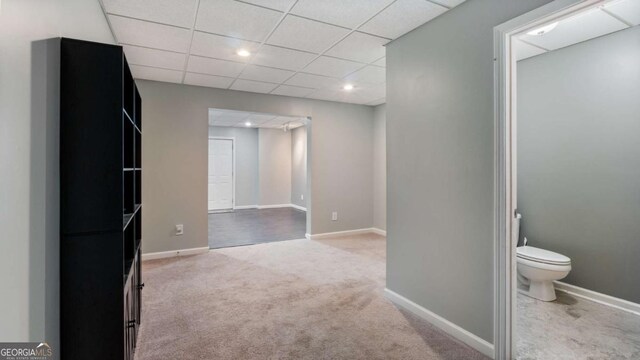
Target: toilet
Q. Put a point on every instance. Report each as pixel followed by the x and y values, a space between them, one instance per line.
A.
pixel 538 268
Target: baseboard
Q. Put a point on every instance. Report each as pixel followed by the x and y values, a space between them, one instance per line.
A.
pixel 308 236
pixel 168 254
pixel 298 207
pixel 341 233
pixel 244 207
pixel 379 231
pixel 441 323
pixel 597 297
pixel 274 206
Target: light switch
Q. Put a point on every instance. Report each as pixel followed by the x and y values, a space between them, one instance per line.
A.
pixel 179 229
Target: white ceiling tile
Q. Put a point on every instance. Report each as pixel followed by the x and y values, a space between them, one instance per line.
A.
pixel 323 94
pixel 258 119
pixel 296 91
pixel 314 81
pixel 278 57
pixel 210 66
pixel 144 33
pixel 359 47
pixel 221 47
pixel 377 102
pixel 448 3
pixel 333 67
pixel 402 17
pixel 149 73
pixel 347 13
pixel 208 80
pixel 280 5
pixel 369 74
pixel 236 19
pixel 151 57
pixel 381 62
pixel 171 12
pixel 582 27
pixel 253 86
pixel 261 73
pixel 524 50
pixel 307 35
pixel 628 10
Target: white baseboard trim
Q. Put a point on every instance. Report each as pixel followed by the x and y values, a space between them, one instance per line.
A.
pixel 341 233
pixel 244 207
pixel 168 254
pixel 443 324
pixel 308 236
pixel 379 231
pixel 599 298
pixel 274 206
pixel 298 207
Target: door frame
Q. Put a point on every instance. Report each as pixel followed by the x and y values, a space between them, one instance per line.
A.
pixel 505 184
pixel 233 171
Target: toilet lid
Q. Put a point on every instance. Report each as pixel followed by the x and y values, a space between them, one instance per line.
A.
pixel 541 255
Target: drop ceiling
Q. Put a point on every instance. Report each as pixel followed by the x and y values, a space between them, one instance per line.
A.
pixel 232 118
pixel 301 48
pixel 604 19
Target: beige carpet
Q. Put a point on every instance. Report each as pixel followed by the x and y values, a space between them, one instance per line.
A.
pixel 298 299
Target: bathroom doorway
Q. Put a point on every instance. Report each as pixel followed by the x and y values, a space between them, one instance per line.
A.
pixel 567 146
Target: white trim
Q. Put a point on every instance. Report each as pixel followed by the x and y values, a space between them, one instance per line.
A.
pixel 441 323
pixel 505 200
pixel 233 170
pixel 298 207
pixel 599 298
pixel 173 253
pixel 274 206
pixel 307 236
pixel 244 207
pixel 378 231
pixel 341 233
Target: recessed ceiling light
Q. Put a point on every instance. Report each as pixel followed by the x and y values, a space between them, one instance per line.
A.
pixel 543 30
pixel 348 87
pixel 243 52
pixel 248 123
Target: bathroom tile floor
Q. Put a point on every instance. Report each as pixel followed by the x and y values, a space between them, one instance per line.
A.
pixel 575 328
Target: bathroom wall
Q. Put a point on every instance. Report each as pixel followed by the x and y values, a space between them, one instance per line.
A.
pixel 440 162
pixel 579 159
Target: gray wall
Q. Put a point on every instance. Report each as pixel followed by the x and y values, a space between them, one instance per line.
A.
pixel 299 166
pixel 274 167
pixel 579 159
pixel 246 152
pixel 174 151
pixel 29 208
pixel 380 167
pixel 440 158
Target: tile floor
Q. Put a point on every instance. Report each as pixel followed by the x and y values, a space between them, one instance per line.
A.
pixel 253 226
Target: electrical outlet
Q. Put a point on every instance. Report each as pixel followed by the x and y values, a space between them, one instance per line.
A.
pixel 301 196
pixel 179 229
pixel 334 216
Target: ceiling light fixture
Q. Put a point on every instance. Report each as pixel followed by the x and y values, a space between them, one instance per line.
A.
pixel 247 124
pixel 543 30
pixel 348 87
pixel 243 52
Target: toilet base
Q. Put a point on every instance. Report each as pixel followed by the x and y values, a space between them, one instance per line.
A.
pixel 541 290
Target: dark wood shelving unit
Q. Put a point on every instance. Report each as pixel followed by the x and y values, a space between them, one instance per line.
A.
pixel 101 202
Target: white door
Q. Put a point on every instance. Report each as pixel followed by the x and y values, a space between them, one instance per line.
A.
pixel 220 174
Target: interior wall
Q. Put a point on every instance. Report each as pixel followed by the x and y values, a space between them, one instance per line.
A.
pixel 299 166
pixel 440 162
pixel 246 152
pixel 274 164
pixel 175 160
pixel 380 167
pixel 579 159
pixel 29 210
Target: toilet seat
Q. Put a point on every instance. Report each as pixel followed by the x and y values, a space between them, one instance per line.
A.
pixel 542 256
